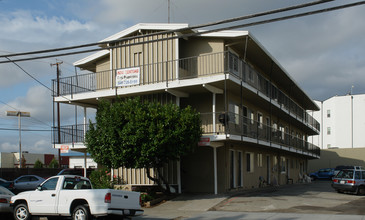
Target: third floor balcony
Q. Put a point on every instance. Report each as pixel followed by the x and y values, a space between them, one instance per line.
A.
pixel 205 66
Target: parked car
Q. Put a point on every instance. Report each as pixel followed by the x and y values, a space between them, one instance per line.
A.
pixel 341 167
pixel 26 182
pixel 75 171
pixel 5 196
pixel 326 173
pixel 73 196
pixel 350 180
pixel 6 184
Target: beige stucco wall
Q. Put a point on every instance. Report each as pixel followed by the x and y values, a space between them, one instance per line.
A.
pixel 330 158
pixel 7 160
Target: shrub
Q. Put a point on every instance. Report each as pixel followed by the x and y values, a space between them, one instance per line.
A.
pixel 101 179
pixel 38 164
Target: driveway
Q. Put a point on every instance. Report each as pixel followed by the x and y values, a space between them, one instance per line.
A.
pixel 317 197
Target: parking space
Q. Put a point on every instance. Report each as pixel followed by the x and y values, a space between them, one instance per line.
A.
pixel 317 197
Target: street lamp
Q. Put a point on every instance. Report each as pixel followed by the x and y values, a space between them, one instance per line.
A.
pixel 19 114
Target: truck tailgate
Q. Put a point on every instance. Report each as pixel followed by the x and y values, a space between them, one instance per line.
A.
pixel 124 200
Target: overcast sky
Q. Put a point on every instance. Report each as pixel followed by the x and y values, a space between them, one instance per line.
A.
pixel 324 54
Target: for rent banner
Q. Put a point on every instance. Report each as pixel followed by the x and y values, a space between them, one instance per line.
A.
pixel 128 76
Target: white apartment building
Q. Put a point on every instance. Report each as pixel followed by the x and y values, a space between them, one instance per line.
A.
pixel 342 122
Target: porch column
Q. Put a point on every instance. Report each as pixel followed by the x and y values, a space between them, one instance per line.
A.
pixel 215 171
pixel 85 154
pixel 213 110
pixel 85 163
pixel 215 145
pixel 178 173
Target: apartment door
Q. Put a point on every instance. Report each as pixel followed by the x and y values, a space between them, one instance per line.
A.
pixel 268 169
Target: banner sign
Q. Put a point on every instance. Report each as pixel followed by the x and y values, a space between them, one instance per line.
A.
pixel 204 141
pixel 127 77
pixel 64 149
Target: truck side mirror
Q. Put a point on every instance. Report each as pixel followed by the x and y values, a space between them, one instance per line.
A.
pixel 39 188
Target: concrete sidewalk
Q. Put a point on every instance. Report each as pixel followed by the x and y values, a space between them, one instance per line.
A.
pixel 183 207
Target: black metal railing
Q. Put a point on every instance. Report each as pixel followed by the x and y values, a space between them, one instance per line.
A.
pixel 192 67
pixel 233 124
pixel 225 123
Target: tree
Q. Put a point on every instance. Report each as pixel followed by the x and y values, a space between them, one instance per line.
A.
pixel 38 164
pixel 53 163
pixel 137 134
pixel 23 162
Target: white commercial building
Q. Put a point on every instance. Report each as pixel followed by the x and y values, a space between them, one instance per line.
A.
pixel 342 122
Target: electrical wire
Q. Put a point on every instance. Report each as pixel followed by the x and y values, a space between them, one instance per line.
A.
pixel 154 34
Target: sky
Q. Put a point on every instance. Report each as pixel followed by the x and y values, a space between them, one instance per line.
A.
pixel 324 54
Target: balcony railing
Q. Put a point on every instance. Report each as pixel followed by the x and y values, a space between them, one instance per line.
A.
pixel 233 124
pixel 192 67
pixel 228 123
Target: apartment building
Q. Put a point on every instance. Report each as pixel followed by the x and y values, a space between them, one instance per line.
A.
pixel 254 115
pixel 342 121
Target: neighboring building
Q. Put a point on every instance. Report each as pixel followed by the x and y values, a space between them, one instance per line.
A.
pixel 254 115
pixel 77 160
pixel 11 160
pixel 342 121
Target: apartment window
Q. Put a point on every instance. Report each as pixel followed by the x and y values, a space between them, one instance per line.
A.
pixel 328 130
pixel 328 113
pixel 235 111
pixel 260 119
pixel 249 162
pixel 259 160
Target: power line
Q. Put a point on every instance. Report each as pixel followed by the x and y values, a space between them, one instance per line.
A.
pixel 16 129
pixel 30 116
pixel 148 35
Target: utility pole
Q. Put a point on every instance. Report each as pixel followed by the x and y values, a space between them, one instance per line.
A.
pixel 19 114
pixel 168 9
pixel 58 109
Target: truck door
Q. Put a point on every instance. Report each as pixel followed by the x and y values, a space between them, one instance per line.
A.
pixel 44 199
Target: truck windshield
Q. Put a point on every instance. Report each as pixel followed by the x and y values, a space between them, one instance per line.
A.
pixel 76 183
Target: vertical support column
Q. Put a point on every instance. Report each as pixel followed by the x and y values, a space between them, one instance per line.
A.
pixel 85 163
pixel 213 110
pixel 85 154
pixel 215 171
pixel 178 165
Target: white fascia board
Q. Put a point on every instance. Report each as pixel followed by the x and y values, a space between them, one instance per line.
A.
pixel 140 89
pixel 224 33
pixel 145 26
pixel 91 57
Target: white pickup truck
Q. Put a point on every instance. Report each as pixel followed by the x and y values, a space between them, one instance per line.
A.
pixel 69 195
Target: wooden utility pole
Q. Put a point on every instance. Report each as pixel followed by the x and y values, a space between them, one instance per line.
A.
pixel 58 109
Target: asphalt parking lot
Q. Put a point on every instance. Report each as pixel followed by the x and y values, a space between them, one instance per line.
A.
pixel 317 197
pixel 316 200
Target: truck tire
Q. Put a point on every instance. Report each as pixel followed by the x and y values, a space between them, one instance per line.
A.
pixel 81 212
pixel 21 212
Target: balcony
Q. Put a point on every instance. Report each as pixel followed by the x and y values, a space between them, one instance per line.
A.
pixel 188 68
pixel 229 125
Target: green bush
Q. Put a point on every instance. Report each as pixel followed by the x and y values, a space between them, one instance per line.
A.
pixel 101 179
pixel 38 164
pixel 53 163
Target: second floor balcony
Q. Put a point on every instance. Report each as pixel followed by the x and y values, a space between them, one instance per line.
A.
pixel 228 124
